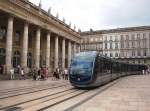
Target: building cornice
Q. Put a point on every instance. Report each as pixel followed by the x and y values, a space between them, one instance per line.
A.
pixel 33 14
pixel 117 30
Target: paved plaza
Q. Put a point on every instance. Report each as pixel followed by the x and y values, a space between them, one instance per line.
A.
pixel 130 93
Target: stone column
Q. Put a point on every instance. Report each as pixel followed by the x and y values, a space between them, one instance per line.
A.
pixel 9 44
pixel 56 53
pixel 148 44
pixel 74 47
pixel 25 46
pixel 48 51
pixel 69 53
pixel 79 48
pixel 63 53
pixel 37 48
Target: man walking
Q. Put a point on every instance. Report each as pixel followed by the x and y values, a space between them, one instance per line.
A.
pixel 12 73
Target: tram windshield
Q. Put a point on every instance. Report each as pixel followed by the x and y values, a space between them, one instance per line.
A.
pixel 82 63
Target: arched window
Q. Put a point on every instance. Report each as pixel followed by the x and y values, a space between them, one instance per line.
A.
pixel 2 56
pixel 29 60
pixel 16 59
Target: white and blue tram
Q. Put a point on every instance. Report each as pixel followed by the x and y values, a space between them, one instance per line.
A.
pixel 90 69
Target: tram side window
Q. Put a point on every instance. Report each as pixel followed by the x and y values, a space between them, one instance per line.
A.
pixel 130 68
pixel 124 68
pixel 106 66
pixel 99 65
pixel 115 67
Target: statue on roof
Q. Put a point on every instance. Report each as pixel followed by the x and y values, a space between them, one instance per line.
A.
pixel 74 27
pixel 40 4
pixel 64 20
pixel 49 11
pixel 57 15
pixel 70 24
pixel 79 30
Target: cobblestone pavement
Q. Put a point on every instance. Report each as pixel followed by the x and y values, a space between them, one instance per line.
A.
pixel 130 93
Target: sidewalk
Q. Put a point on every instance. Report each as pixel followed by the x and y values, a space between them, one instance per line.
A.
pixel 131 93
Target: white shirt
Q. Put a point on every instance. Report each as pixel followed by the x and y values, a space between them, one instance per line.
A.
pixel 12 71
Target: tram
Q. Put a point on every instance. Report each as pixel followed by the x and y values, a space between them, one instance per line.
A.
pixel 91 69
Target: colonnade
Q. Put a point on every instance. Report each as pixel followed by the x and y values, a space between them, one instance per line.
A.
pixel 9 42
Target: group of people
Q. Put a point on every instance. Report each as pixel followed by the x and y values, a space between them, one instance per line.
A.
pixel 40 74
pixel 58 74
pixel 20 72
pixel 146 70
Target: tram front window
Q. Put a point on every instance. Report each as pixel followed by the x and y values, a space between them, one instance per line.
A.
pixel 81 66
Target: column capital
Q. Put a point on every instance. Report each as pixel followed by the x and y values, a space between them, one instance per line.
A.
pixel 48 32
pixel 26 23
pixel 11 16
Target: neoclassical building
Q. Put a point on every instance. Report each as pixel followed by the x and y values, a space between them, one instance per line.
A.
pixel 130 44
pixel 30 36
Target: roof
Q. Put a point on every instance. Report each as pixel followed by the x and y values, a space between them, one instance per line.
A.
pixel 117 30
pixel 46 13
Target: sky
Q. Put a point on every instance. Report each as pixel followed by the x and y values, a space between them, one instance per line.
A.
pixel 100 14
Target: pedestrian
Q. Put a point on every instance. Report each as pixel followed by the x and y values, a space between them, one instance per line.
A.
pixel 148 71
pixel 0 69
pixel 46 73
pixel 39 74
pixel 34 75
pixel 22 73
pixel 143 71
pixel 18 69
pixel 66 74
pixel 12 73
pixel 57 73
pixel 43 74
pixel 63 73
pixel 54 75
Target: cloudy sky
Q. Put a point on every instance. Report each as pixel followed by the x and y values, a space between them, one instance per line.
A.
pixel 100 14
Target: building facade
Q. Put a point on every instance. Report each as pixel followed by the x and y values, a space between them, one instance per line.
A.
pixel 91 42
pixel 130 44
pixel 32 37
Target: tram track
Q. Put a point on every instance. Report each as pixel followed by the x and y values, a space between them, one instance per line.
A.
pixel 30 91
pixel 22 88
pixel 54 100
pixel 63 100
pixel 102 89
pixel 36 101
pixel 57 98
pixel 73 103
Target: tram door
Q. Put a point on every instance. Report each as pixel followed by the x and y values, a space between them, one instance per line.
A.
pixel 98 68
pixel 106 70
